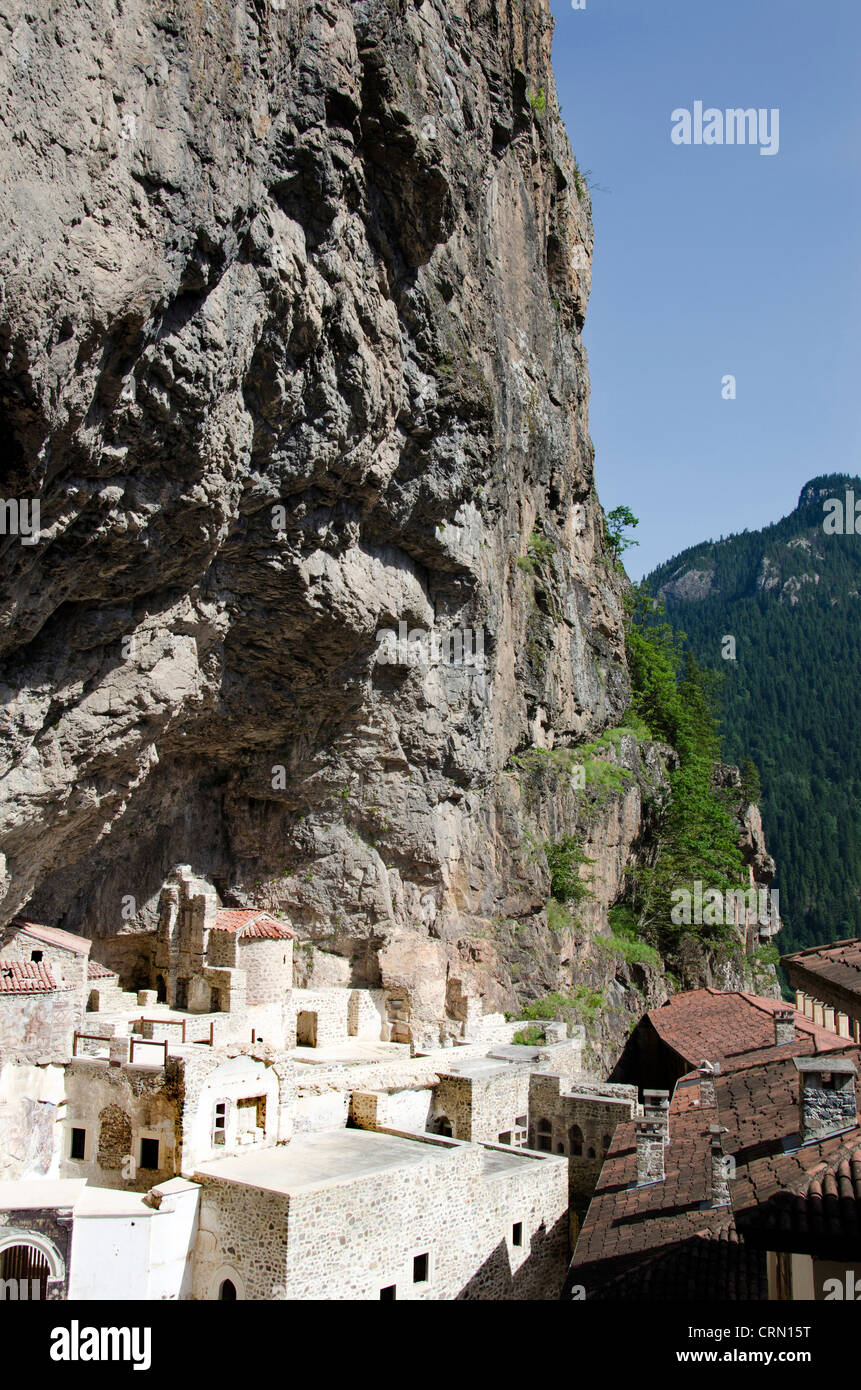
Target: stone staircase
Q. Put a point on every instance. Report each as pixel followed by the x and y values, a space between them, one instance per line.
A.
pixel 397 1017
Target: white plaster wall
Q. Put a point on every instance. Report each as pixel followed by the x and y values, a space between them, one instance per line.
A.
pixel 234 1080
pixel 329 1111
pixel 110 1257
pixel 408 1110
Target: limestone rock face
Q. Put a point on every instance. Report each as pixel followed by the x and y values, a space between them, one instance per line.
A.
pixel 290 359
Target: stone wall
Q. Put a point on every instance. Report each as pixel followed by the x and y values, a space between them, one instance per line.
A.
pixel 483 1107
pixel 38 1027
pixel 118 1106
pixel 330 1007
pixel 578 1121
pixel 350 1238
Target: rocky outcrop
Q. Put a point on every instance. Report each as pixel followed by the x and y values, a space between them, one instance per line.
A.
pixel 290 355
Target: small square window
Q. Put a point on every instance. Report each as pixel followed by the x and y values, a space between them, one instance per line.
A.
pixel 78 1146
pixel 517 1233
pixel 520 1121
pixel 390 1291
pixel 420 1269
pixel 505 1138
pixel 149 1153
pixel 36 956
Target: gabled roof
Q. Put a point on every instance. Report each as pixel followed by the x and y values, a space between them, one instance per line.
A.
pixel 726 1027
pixel 251 924
pixel 838 964
pixel 27 977
pixel 97 971
pixel 53 936
pixel 785 1195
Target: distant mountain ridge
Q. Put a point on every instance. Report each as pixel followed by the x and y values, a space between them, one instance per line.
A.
pixel 789 598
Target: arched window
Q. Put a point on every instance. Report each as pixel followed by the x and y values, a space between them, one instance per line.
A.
pixel 575 1141
pixel 606 1142
pixel 227 1291
pixel 442 1126
pixel 590 1153
pixel 544 1137
pixel 28 1266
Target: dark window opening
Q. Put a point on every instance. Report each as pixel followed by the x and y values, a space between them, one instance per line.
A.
pixel 560 1148
pixel 517 1233
pixel 543 1141
pixel 442 1126
pixel 36 956
pixel 390 1291
pixel 590 1153
pixel 227 1290
pixel 606 1142
pixel 575 1141
pixel 520 1121
pixel 78 1146
pixel 421 1265
pixel 149 1153
pixel 504 1138
pixel 219 1126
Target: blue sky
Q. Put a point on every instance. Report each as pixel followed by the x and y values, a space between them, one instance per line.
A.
pixel 711 260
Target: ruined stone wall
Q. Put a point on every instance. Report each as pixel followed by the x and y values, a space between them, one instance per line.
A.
pixel 118 1106
pixel 38 1027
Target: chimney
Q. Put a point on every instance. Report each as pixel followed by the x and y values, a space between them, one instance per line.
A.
pixel 708 1071
pixel 656 1107
pixel 650 1152
pixel 784 1026
pixel 720 1167
pixel 827 1101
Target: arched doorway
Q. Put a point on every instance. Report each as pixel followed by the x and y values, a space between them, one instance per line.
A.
pixel 24 1271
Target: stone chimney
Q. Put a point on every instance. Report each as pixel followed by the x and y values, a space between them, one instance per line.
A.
pixel 784 1026
pixel 708 1071
pixel 720 1167
pixel 650 1151
pixel 656 1107
pixel 827 1101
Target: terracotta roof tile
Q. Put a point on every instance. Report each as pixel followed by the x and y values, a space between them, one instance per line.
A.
pixel 252 924
pixel 27 977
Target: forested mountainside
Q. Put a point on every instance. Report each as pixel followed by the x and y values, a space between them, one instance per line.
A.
pixel 790 597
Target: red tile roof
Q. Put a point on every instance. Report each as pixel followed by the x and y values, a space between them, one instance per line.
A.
pixel 808 1196
pixel 251 924
pixel 97 971
pixel 53 936
pixel 837 965
pixel 27 977
pixel 718 1026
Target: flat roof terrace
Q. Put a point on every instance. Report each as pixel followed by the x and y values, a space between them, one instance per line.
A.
pixel 319 1160
pixel 324 1159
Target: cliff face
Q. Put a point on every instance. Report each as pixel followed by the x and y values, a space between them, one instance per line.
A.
pixel 291 355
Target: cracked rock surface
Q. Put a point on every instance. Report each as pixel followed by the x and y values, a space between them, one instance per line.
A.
pixel 290 355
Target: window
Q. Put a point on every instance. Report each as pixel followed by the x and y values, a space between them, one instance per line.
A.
pixel 227 1290
pixel 590 1153
pixel 36 956
pixel 149 1153
pixel 504 1138
pixel 543 1141
pixel 219 1124
pixel 606 1142
pixel 250 1115
pixel 575 1141
pixel 517 1233
pixel 442 1125
pixel 520 1121
pixel 421 1266
pixel 390 1291
pixel 560 1148
pixel 78 1146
